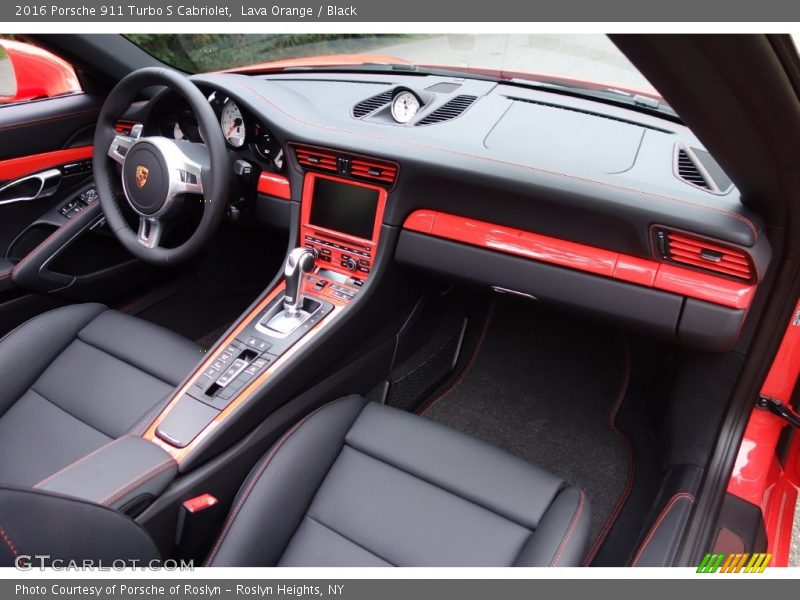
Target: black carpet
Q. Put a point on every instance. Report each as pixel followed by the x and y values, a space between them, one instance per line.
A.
pixel 543 387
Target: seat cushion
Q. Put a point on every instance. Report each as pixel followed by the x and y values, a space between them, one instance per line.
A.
pixel 78 377
pixel 361 484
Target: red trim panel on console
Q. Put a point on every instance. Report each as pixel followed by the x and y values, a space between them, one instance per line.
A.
pixel 274 185
pixel 13 168
pixel 607 263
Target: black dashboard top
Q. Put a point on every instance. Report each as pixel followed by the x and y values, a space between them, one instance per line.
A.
pixel 562 166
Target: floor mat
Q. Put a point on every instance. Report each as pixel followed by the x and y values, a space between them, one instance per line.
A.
pixel 546 388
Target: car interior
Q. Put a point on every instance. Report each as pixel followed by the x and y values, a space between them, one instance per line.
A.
pixel 388 315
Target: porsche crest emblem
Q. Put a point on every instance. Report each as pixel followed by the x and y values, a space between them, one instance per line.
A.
pixel 141 175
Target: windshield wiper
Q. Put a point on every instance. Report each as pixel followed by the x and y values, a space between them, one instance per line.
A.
pixel 609 95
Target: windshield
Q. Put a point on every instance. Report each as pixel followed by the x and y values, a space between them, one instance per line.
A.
pixel 576 60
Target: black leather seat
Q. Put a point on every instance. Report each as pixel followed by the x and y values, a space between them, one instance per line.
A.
pixel 360 484
pixel 76 378
pixel 353 484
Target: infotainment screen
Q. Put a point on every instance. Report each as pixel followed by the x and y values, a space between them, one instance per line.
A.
pixel 343 207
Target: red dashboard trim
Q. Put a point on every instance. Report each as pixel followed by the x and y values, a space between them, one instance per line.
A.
pixel 13 168
pixel 274 185
pixel 670 278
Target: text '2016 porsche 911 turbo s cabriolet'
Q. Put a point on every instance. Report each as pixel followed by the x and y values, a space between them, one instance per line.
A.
pixel 398 300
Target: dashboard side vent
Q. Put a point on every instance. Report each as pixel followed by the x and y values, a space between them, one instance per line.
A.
pixel 449 110
pixel 317 159
pixel 698 168
pixel 704 254
pixel 374 171
pixel 719 177
pixel 688 171
pixel 370 105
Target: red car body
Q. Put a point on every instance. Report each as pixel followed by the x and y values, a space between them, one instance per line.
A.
pixel 38 73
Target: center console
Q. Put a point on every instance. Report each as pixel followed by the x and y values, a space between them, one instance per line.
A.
pixel 340 225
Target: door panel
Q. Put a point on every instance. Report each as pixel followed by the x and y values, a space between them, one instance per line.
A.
pixel 52 253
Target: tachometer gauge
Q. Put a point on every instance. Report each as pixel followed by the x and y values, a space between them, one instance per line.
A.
pixel 404 106
pixel 232 124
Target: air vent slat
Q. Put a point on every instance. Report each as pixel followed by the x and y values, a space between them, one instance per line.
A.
pixel 689 171
pixel 707 255
pixel 370 105
pixel 450 110
pixel 374 171
pixel 317 159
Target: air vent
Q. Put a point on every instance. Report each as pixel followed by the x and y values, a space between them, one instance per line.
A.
pixel 449 110
pixel 719 177
pixel 370 105
pixel 702 254
pixel 124 127
pixel 688 171
pixel 373 171
pixel 698 168
pixel 317 159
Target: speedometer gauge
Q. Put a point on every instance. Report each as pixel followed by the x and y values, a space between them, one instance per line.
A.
pixel 404 106
pixel 232 124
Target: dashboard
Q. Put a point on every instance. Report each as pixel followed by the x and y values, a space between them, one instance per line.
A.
pixel 594 207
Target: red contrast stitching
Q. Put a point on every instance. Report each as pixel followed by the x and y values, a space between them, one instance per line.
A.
pixel 612 418
pixel 252 483
pixel 76 462
pixel 657 524
pixel 9 543
pixel 121 491
pixel 573 524
pixel 741 218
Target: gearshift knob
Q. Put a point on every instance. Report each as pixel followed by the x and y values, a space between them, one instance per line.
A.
pixel 299 262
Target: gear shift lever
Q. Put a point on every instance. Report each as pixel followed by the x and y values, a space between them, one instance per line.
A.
pixel 299 262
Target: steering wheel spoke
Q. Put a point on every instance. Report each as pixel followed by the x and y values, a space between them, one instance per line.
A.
pixel 119 147
pixel 150 231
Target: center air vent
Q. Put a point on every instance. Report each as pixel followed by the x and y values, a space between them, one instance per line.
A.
pixel 698 168
pixel 374 170
pixel 704 254
pixel 317 159
pixel 370 105
pixel 449 110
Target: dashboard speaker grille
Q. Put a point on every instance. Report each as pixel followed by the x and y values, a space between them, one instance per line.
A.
pixel 705 254
pixel 370 105
pixel 449 110
pixel 317 159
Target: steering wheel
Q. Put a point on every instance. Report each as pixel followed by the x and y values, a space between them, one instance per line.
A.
pixel 159 173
